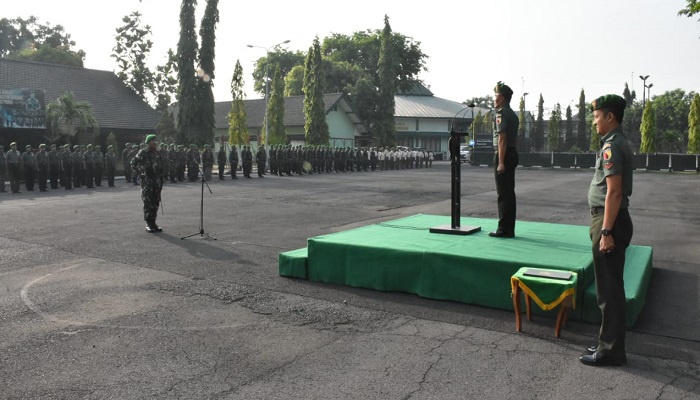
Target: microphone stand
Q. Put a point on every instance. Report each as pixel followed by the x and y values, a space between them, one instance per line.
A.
pixel 201 232
pixel 454 228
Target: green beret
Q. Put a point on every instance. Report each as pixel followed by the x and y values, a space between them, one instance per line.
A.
pixel 134 146
pixel 41 146
pixel 110 147
pixel 150 137
pixel 612 101
pixel 503 89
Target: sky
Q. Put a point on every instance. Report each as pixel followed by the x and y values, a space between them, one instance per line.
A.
pixel 549 47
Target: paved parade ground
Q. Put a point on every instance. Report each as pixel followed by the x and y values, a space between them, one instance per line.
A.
pixel 93 307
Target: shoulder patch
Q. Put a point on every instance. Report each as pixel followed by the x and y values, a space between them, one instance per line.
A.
pixel 607 145
pixel 498 119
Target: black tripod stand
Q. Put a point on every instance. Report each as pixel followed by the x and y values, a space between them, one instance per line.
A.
pixel 201 232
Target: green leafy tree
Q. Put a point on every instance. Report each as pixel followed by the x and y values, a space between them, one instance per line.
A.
pixel 539 126
pixel 481 102
pixel 692 8
pixel 277 56
pixel 315 126
pixel 582 129
pixel 553 129
pixel 648 129
pixel 629 96
pixel 294 82
pixel 165 82
pixel 594 141
pixel 386 124
pixel 275 110
pixel 237 118
pixel 29 40
pixel 694 126
pixel 187 47
pixel 66 113
pixel 131 53
pixel 365 101
pixel 166 128
pixel 671 114
pixel 521 118
pixel 478 123
pixel 205 95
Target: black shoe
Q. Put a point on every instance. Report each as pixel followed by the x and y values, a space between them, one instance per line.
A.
pixel 150 229
pixel 592 349
pixel 157 228
pixel 502 234
pixel 601 360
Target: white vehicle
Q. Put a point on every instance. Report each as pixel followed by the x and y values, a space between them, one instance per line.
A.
pixel 465 154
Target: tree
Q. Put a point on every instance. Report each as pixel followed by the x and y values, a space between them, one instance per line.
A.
pixel 277 56
pixel 131 52
pixel 166 128
pixel 275 110
pixel 539 126
pixel 315 126
pixel 478 123
pixel 569 127
pixel 694 126
pixel 692 9
pixel 582 130
pixel 294 82
pixel 65 113
pixel 165 82
pixel 629 96
pixel 386 124
pixel 594 142
pixel 553 129
pixel 32 41
pixel 648 130
pixel 187 112
pixel 481 102
pixel 205 95
pixel 237 118
pixel 671 111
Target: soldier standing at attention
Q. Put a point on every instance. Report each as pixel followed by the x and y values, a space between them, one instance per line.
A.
pixel 247 157
pixel 54 166
pixel 111 162
pixel 261 159
pixel 99 160
pixel 29 165
pixel 172 163
pixel 89 164
pixel 12 158
pixel 148 163
pixel 505 160
pixel 221 160
pixel 611 228
pixel 42 163
pixel 77 159
pixel 3 169
pixel 207 161
pixel 233 160
pixel 67 167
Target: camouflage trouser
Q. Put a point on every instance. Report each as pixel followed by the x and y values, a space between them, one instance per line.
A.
pixel 150 194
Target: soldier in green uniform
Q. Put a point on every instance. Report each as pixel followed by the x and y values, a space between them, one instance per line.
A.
pixel 505 159
pixel 67 167
pixel 54 166
pixel 221 160
pixel 126 162
pixel 42 165
pixel 12 158
pixel 98 160
pixel 77 158
pixel 611 228
pixel 29 166
pixel 148 163
pixel 233 160
pixel 111 163
pixel 89 164
pixel 3 169
pixel 207 161
pixel 261 160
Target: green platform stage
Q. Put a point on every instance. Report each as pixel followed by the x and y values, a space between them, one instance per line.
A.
pixel 403 256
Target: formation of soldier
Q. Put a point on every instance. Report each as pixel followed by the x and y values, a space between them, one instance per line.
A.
pixel 81 165
pixel 86 165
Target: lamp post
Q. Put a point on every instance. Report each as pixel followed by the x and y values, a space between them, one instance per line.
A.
pixel 644 90
pixel 267 82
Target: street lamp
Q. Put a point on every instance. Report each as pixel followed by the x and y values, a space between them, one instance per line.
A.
pixel 267 81
pixel 644 90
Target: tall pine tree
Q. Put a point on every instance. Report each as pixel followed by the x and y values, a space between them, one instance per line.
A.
pixel 207 32
pixel 539 128
pixel 521 127
pixel 582 130
pixel 315 126
pixel 237 118
pixel 569 127
pixel 187 112
pixel 553 129
pixel 694 126
pixel 386 124
pixel 275 110
pixel 648 129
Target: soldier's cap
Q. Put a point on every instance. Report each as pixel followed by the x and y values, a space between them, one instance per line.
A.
pixel 503 89
pixel 179 146
pixel 13 144
pixel 89 146
pixel 611 101
pixel 41 146
pixel 206 146
pixel 29 146
pixel 110 147
pixel 150 137
pixel 98 146
pixel 134 146
pixel 76 147
pixel 53 145
pixel 193 145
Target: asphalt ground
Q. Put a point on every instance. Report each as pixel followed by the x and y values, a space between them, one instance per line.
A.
pixel 93 307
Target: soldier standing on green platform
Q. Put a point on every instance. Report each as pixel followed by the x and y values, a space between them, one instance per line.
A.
pixel 505 160
pixel 611 228
pixel 148 164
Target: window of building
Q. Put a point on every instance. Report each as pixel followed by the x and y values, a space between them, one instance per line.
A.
pixel 432 144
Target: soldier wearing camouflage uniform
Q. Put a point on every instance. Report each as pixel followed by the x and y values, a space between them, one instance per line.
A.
pixel 207 161
pixel 233 160
pixel 148 163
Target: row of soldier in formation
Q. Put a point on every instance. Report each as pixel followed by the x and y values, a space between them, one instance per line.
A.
pixel 81 165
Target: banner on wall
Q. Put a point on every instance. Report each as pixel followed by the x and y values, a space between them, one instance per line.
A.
pixel 22 108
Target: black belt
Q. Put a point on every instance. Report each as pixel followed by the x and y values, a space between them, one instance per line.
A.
pixel 597 210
